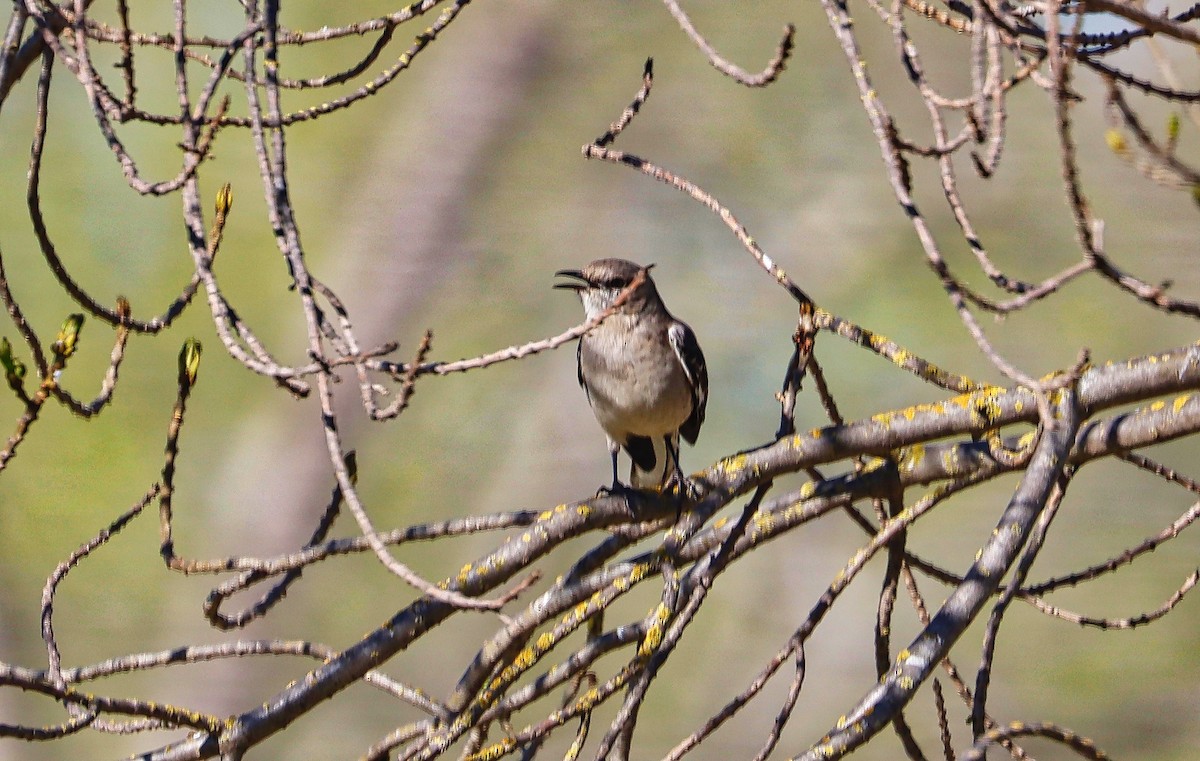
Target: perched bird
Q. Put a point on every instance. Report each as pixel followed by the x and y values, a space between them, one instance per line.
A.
pixel 642 369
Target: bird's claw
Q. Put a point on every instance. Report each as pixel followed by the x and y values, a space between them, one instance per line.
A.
pixel 618 489
pixel 684 488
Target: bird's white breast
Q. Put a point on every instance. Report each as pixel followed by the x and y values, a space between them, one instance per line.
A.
pixel 632 389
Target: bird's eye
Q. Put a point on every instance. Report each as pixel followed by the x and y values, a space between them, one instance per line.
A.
pixel 618 282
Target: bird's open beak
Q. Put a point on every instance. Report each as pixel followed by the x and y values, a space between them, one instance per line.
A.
pixel 571 286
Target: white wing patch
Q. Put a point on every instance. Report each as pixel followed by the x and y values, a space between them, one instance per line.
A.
pixel 678 338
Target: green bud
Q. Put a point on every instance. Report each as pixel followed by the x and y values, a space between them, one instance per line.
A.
pixel 224 199
pixel 189 361
pixel 13 367
pixel 6 357
pixel 1173 127
pixel 68 335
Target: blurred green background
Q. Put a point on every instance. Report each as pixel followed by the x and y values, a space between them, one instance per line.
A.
pixel 447 201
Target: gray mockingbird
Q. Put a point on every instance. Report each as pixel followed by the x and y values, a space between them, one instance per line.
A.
pixel 642 370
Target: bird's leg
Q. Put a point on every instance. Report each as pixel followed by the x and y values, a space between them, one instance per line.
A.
pixel 676 478
pixel 673 453
pixel 686 488
pixel 617 487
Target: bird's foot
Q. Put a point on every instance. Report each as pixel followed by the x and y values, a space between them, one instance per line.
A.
pixel 683 488
pixel 617 489
pixel 683 491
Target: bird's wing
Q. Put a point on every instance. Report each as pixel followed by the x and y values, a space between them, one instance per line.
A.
pixel 687 350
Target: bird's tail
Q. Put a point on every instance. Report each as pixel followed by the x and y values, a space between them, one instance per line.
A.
pixel 664 466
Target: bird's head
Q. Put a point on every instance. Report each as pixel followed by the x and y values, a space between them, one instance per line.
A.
pixel 601 282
